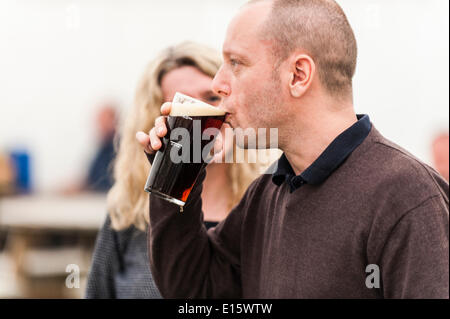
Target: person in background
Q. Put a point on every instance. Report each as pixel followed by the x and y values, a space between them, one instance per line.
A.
pixel 99 176
pixel 120 266
pixel 440 148
pixel 6 175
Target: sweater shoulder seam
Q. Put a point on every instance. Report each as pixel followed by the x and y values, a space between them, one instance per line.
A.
pixel 421 164
pixel 401 218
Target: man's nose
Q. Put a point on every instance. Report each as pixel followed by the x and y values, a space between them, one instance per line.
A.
pixel 220 84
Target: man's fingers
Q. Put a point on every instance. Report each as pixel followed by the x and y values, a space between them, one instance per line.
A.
pixel 166 108
pixel 160 126
pixel 144 140
pixel 155 142
pixel 152 142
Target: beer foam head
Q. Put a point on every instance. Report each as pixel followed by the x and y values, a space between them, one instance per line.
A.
pixel 195 109
pixel 184 105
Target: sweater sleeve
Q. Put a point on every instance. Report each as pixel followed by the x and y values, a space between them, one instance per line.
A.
pixel 100 284
pixel 187 261
pixel 415 258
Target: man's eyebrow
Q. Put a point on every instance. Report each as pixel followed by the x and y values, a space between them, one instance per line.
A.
pixel 227 53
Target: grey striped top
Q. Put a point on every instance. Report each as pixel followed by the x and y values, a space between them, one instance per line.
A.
pixel 120 265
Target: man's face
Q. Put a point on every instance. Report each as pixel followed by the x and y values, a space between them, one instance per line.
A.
pixel 247 81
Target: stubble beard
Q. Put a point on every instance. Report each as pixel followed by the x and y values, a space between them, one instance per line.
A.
pixel 264 110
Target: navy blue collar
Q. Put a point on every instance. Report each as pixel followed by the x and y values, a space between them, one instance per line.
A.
pixel 333 156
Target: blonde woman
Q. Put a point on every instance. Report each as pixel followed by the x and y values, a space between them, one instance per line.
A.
pixel 120 266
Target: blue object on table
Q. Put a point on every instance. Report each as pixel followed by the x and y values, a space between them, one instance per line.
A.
pixel 21 161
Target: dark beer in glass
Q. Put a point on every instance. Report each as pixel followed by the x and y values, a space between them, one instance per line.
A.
pixel 192 128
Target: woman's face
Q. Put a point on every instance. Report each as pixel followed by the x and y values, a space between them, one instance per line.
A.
pixel 191 81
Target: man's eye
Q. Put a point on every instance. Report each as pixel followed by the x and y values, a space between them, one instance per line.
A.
pixel 234 62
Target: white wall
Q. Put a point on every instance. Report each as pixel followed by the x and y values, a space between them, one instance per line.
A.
pixel 58 59
pixel 402 75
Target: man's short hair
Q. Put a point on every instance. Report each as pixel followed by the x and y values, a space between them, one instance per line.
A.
pixel 321 28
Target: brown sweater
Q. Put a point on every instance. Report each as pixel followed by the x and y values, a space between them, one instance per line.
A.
pixel 381 206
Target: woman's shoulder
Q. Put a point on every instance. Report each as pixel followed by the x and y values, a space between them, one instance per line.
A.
pixel 123 237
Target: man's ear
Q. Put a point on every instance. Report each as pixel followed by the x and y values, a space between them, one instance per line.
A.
pixel 302 72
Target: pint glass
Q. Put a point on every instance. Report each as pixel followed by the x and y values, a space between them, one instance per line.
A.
pixel 186 149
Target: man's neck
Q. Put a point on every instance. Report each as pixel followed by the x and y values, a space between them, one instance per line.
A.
pixel 307 137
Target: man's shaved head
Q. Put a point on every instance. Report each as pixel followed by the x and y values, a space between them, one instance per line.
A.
pixel 321 29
